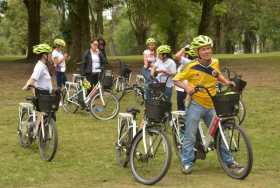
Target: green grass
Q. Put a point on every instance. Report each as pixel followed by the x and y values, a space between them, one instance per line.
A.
pixel 10 58
pixel 86 154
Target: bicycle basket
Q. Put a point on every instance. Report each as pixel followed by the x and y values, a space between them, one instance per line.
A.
pixel 125 71
pixel 226 104
pixel 157 88
pixel 48 103
pixel 240 84
pixel 107 82
pixel 156 110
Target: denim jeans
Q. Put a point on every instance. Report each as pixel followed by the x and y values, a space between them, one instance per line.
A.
pixel 194 113
pixel 168 93
pixel 60 79
pixel 147 91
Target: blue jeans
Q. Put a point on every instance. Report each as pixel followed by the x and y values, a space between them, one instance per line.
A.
pixel 147 80
pixel 194 113
pixel 60 79
pixel 168 93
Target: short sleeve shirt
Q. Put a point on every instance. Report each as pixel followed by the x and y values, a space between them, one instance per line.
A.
pixel 198 74
pixel 61 67
pixel 183 62
pixel 42 76
pixel 168 65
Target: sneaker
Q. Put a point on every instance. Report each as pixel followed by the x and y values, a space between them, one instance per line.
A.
pixel 187 169
pixel 60 104
pixel 236 167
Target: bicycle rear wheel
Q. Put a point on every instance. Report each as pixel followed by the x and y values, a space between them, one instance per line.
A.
pixel 104 111
pixel 122 148
pixel 240 151
pixel 151 166
pixel 118 88
pixel 24 129
pixel 69 99
pixel 48 142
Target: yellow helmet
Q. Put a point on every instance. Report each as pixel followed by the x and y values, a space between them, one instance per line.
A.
pixel 150 40
pixel 59 42
pixel 201 41
pixel 163 49
pixel 42 48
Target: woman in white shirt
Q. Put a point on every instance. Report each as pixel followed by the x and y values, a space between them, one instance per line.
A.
pixel 165 68
pixel 59 59
pixel 40 77
pixel 93 61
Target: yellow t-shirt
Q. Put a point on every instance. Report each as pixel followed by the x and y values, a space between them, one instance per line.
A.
pixel 198 74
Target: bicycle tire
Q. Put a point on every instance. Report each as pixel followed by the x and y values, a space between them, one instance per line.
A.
pixel 118 89
pixel 97 108
pixel 122 150
pixel 24 133
pixel 235 133
pixel 176 142
pixel 136 155
pixel 69 106
pixel 50 135
pixel 242 111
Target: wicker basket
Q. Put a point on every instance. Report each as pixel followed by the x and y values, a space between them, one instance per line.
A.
pixel 226 104
pixel 156 110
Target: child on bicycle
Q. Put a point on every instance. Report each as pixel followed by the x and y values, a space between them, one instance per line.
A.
pixel 183 57
pixel 203 71
pixel 164 69
pixel 149 59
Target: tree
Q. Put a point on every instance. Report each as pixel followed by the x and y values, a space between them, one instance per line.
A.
pixel 139 14
pixel 33 11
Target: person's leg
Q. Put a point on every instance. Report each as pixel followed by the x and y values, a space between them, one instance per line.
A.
pixel 225 154
pixel 64 78
pixel 168 93
pixel 146 75
pixel 181 100
pixel 94 79
pixel 192 118
pixel 58 79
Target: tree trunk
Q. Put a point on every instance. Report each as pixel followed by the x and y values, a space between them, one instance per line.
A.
pixel 33 11
pixel 80 29
pixel 206 17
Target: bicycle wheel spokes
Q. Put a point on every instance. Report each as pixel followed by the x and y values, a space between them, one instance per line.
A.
pixel 150 162
pixel 242 112
pixel 69 99
pixel 48 141
pixel 106 110
pixel 240 151
pixel 122 148
pixel 24 130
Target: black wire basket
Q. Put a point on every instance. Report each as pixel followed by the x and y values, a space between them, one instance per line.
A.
pixel 157 110
pixel 227 104
pixel 48 103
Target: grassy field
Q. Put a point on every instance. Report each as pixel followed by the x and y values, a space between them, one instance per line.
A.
pixel 86 154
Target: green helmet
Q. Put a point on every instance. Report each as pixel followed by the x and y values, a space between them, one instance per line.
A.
pixel 59 42
pixel 150 40
pixel 163 49
pixel 191 52
pixel 201 41
pixel 42 48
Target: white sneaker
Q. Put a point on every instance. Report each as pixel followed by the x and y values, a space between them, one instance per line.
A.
pixel 187 169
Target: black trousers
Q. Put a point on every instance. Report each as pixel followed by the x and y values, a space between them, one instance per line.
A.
pixel 181 96
pixel 92 78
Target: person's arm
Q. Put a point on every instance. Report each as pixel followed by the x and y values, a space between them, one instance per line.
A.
pixel 30 81
pixel 225 81
pixel 179 54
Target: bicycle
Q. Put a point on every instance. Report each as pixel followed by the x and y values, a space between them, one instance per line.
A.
pixel 225 135
pixel 101 103
pixel 37 120
pixel 240 85
pixel 127 129
pixel 150 152
pixel 122 81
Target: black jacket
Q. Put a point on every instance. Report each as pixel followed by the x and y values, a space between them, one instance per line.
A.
pixel 86 66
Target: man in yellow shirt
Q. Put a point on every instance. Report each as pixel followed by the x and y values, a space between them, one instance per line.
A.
pixel 203 71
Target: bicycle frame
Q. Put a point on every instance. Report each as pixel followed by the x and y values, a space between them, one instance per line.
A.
pixel 131 125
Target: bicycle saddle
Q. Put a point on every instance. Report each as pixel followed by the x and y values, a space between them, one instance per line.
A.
pixel 133 110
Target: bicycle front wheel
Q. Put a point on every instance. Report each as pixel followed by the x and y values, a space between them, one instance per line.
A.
pixel 105 106
pixel 235 147
pixel 49 141
pixel 150 158
pixel 124 139
pixel 242 112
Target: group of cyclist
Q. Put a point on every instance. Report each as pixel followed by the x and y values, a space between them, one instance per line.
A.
pixel 196 67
